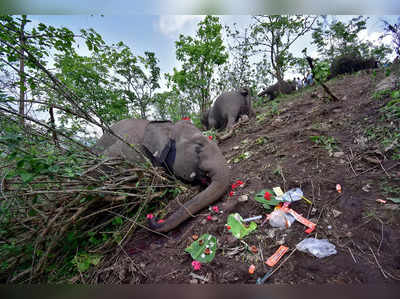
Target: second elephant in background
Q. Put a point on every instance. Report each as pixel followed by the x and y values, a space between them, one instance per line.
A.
pixel 227 110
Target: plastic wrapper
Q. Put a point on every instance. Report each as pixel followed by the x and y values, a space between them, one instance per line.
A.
pixel 317 247
pixel 279 218
pixel 291 195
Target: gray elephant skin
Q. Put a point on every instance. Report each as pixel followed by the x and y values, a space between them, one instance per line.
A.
pixel 347 64
pixel 227 109
pixel 280 87
pixel 179 147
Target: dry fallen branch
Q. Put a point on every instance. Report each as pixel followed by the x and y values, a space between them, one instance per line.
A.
pixel 46 212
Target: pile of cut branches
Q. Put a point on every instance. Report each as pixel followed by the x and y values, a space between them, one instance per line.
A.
pixel 57 226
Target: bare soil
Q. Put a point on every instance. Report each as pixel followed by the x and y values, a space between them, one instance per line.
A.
pixel 366 233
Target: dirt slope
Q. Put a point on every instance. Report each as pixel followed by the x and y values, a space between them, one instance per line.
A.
pixel 366 233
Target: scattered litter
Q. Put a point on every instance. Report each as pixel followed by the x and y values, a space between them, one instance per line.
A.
pixel 243 198
pixel 238 183
pixel 317 247
pixel 238 228
pixel 215 209
pixel 278 218
pixel 278 191
pixel 253 249
pixel 203 250
pixel 311 226
pixel 336 213
pixel 381 200
pixel 293 195
pixel 329 227
pixel 366 188
pixel 268 203
pixel 252 268
pixel 265 277
pixel 338 154
pixel 273 259
pixel 339 188
pixel 252 218
pixel 196 276
pixel 196 265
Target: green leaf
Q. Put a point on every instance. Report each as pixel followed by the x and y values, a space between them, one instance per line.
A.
pixel 267 204
pixel 197 248
pixel 117 221
pixel 238 228
pixel 84 260
pixel 26 176
pixel 395 200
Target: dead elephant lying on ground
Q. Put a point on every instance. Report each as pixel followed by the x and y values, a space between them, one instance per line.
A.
pixel 281 87
pixel 227 110
pixel 347 64
pixel 182 149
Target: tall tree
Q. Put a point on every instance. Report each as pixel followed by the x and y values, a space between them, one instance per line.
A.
pixel 272 36
pixel 333 37
pixel 394 30
pixel 199 55
pixel 138 78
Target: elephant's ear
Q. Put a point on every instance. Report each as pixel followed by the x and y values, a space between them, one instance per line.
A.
pixel 158 140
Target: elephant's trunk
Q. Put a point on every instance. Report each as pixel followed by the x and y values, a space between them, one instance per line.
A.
pixel 219 184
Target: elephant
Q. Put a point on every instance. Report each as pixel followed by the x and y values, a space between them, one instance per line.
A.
pixel 182 149
pixel 227 110
pixel 284 87
pixel 347 64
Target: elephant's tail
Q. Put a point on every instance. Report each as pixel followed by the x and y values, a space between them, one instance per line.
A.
pixel 219 185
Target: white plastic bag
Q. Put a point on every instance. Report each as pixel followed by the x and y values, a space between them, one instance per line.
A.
pixel 279 218
pixel 291 195
pixel 317 247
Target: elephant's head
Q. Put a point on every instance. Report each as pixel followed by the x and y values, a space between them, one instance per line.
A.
pixel 247 108
pixel 190 156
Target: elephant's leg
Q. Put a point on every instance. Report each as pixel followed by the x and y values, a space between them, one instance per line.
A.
pixel 230 122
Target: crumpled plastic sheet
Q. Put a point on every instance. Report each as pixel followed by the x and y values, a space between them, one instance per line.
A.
pixel 317 247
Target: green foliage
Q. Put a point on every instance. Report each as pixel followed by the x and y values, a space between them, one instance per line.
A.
pixel 336 38
pixel 83 261
pixel 387 133
pixel 203 249
pixel 321 70
pixel 241 157
pixel 391 111
pixel 329 143
pixel 394 30
pixel 238 228
pixel 138 78
pixel 199 56
pixel 273 36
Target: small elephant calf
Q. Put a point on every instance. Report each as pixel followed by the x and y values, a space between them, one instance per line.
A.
pixel 227 109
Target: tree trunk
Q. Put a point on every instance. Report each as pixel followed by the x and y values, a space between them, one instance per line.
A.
pixel 53 125
pixel 327 90
pixel 22 79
